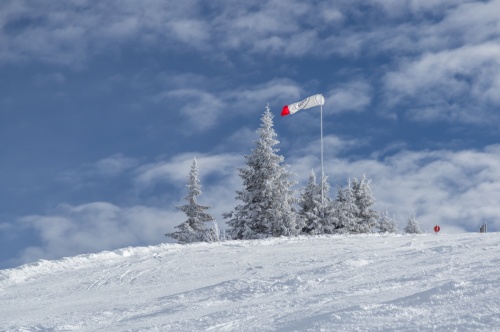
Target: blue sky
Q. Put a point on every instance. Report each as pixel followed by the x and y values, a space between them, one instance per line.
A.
pixel 104 105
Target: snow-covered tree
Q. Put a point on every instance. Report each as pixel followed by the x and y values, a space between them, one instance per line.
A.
pixel 310 205
pixel 364 201
pixel 387 223
pixel 329 219
pixel 318 214
pixel 346 211
pixel 194 229
pixel 413 226
pixel 185 234
pixel 267 207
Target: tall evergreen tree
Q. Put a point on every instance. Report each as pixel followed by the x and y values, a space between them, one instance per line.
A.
pixel 346 211
pixel 387 223
pixel 367 217
pixel 310 206
pixel 318 213
pixel 328 214
pixel 412 227
pixel 193 229
pixel 267 207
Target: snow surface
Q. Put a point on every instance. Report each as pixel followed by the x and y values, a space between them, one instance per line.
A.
pixel 325 283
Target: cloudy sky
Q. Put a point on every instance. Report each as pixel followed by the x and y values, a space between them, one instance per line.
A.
pixel 103 105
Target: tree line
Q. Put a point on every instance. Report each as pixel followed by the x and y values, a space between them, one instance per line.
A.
pixel 269 207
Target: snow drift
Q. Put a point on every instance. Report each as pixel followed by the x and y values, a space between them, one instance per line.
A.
pixel 338 283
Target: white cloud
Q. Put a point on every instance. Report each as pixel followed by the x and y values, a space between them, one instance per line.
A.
pixel 330 14
pixel 242 140
pixel 471 23
pixel 122 28
pixel 177 168
pixel 97 226
pixel 112 166
pixel 401 8
pixel 354 96
pixel 453 85
pixel 302 44
pixel 276 90
pixel 333 146
pixel 70 33
pixel 190 31
pixel 204 108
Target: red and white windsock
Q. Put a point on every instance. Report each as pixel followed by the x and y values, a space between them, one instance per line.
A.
pixel 309 102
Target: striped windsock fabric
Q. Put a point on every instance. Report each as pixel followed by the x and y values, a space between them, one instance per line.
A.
pixel 309 102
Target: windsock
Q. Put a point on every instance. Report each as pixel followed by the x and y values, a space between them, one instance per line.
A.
pixel 309 102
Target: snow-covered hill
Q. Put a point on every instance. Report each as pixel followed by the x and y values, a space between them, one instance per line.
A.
pixel 337 283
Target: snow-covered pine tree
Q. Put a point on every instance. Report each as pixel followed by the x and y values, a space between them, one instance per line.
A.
pixel 413 226
pixel 346 211
pixel 364 201
pixel 267 207
pixel 328 214
pixel 193 229
pixel 310 206
pixel 387 223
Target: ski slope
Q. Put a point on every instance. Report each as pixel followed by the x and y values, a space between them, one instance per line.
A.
pixel 326 283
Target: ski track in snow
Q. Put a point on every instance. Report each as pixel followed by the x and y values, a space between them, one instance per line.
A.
pixel 325 283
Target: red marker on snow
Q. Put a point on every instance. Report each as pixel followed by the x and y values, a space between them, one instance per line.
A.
pixel 437 229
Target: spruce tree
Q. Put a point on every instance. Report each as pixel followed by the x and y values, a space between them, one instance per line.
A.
pixel 346 211
pixel 412 226
pixel 329 219
pixel 193 229
pixel 267 207
pixel 310 206
pixel 387 223
pixel 364 199
pixel 318 213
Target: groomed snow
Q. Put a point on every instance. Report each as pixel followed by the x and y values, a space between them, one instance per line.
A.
pixel 329 283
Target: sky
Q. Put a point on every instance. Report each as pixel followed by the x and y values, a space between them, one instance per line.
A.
pixel 103 107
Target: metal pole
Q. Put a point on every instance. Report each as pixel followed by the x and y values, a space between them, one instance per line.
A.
pixel 322 170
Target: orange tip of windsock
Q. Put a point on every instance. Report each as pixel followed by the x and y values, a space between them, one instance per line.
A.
pixel 285 111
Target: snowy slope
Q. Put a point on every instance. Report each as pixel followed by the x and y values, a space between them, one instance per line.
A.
pixel 337 283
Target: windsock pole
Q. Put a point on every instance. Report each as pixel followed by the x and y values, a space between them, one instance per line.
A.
pixel 313 101
pixel 322 170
